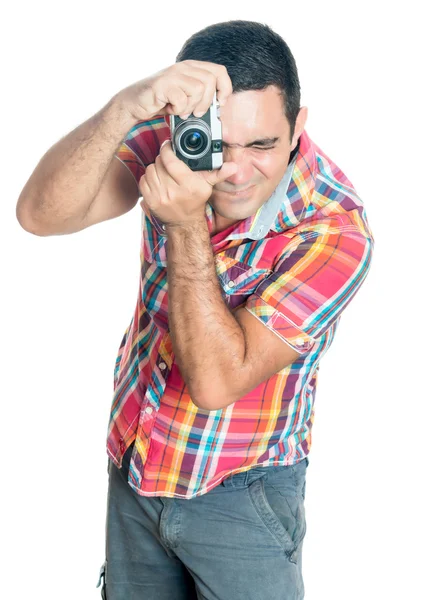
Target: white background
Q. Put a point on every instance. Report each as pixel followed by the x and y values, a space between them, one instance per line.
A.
pixel 67 300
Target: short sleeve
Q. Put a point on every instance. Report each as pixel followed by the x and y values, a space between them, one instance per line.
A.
pixel 314 280
pixel 142 145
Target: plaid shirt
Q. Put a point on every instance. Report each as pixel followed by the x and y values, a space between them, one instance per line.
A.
pixel 295 265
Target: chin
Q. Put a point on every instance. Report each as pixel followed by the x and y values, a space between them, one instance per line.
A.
pixel 238 207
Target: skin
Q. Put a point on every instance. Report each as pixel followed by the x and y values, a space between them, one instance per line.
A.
pixel 250 173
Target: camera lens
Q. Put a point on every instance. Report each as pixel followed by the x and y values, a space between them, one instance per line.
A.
pixel 192 138
pixel 193 141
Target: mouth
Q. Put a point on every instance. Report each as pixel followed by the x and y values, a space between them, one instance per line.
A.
pixel 238 193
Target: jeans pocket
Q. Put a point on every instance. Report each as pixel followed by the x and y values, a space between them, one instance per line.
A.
pixel 282 514
pixel 103 577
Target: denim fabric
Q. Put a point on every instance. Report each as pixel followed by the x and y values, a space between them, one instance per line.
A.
pixel 240 541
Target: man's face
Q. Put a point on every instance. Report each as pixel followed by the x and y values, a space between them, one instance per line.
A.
pixel 256 137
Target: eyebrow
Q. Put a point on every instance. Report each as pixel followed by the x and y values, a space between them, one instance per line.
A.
pixel 260 142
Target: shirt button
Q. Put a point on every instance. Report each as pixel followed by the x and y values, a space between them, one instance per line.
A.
pixel 231 284
pixel 148 410
pixel 300 341
pixel 121 446
pixel 162 365
pixel 163 227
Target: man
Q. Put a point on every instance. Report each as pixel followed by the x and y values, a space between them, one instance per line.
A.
pixel 245 272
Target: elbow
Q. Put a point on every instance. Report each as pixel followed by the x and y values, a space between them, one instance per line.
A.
pixel 207 404
pixel 30 227
pixel 24 218
pixel 25 222
pixel 203 404
pixel 212 397
pixel 199 399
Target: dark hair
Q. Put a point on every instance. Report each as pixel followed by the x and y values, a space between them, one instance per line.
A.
pixel 254 56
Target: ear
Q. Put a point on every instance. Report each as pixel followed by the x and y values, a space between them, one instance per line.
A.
pixel 300 126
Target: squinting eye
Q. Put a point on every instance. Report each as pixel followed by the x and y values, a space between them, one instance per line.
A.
pixel 263 147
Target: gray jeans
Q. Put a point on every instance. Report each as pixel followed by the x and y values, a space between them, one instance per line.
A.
pixel 240 541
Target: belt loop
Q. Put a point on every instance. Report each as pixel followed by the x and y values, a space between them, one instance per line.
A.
pixel 253 474
pixel 246 482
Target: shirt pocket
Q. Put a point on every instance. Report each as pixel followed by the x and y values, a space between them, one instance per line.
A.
pixel 238 279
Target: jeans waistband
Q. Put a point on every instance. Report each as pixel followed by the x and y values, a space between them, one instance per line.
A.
pixel 245 478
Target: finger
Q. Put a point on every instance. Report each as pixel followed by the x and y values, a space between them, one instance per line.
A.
pixel 193 86
pixel 162 173
pixel 174 98
pixel 195 83
pixel 152 180
pixel 200 102
pixel 144 187
pixel 176 168
pixel 182 93
pixel 223 82
pixel 218 175
pixel 206 100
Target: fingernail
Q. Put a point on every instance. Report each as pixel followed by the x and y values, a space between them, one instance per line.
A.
pixel 163 144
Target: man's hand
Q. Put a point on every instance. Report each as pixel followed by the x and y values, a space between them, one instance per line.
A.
pixel 174 193
pixel 183 88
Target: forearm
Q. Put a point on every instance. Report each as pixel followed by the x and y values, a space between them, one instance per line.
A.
pixel 69 175
pixel 208 342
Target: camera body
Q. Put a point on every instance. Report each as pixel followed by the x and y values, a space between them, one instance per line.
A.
pixel 197 141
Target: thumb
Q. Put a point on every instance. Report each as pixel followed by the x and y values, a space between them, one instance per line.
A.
pixel 227 170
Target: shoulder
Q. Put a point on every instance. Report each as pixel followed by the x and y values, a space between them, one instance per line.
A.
pixel 334 195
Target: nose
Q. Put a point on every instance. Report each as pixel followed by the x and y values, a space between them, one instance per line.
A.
pixel 244 171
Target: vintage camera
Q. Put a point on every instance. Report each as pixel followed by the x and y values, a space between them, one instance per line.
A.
pixel 197 140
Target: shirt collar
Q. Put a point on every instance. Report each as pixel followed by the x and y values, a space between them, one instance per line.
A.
pixel 286 206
